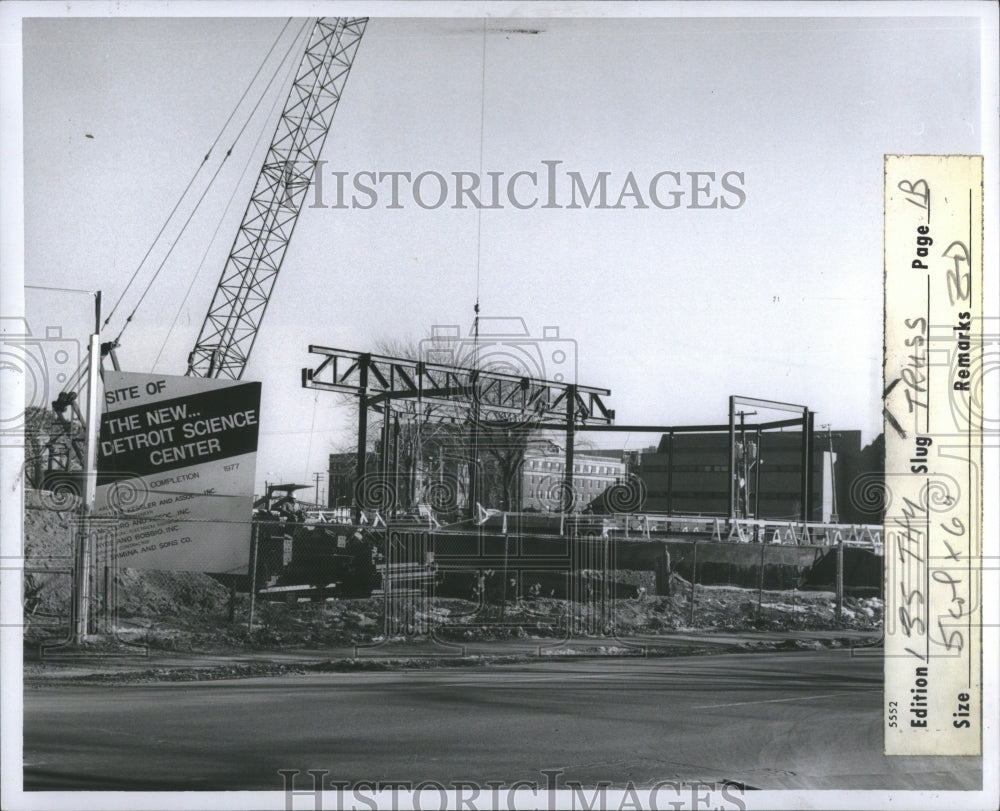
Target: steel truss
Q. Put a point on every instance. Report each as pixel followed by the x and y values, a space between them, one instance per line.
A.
pixel 382 379
pixel 230 327
pixel 386 383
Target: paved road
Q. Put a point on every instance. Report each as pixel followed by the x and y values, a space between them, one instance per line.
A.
pixel 775 720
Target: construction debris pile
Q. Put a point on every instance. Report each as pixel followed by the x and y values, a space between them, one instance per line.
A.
pixel 191 611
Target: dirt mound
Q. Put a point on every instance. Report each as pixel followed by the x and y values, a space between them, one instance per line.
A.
pixel 49 544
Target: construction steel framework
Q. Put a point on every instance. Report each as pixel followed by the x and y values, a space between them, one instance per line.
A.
pixel 382 383
pixel 805 422
pixel 230 327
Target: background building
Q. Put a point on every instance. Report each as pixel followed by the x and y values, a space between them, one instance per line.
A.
pixel 688 474
pixel 543 474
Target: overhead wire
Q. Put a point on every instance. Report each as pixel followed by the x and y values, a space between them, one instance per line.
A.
pixel 205 190
pixel 222 219
pixel 312 426
pixel 57 289
pixel 479 238
pixel 201 165
pixel 194 177
pixel 479 219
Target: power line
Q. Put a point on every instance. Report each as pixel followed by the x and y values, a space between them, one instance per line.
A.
pixel 59 289
pixel 205 190
pixel 236 187
pixel 187 188
pixel 482 137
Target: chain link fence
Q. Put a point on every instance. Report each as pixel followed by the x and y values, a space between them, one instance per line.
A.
pixel 771 586
pixel 310 583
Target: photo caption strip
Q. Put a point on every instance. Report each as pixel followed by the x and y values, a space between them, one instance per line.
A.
pixel 933 454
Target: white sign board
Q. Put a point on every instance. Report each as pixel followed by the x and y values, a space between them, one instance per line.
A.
pixel 176 465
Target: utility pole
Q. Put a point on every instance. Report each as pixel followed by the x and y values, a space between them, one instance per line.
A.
pixel 317 477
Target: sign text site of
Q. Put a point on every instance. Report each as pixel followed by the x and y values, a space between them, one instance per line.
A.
pixel 176 466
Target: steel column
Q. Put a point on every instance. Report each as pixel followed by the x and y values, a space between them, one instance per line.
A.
pixel 732 458
pixel 804 493
pixel 384 466
pixel 670 473
pixel 756 483
pixel 570 441
pixel 474 446
pixel 810 460
pixel 360 465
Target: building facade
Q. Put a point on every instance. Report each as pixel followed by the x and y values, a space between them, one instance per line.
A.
pixel 689 475
pixel 543 476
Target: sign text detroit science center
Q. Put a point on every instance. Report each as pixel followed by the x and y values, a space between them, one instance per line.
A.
pixel 176 466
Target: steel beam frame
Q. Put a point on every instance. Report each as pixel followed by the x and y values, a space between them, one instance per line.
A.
pixel 805 422
pixel 497 395
pixel 383 383
pixel 688 429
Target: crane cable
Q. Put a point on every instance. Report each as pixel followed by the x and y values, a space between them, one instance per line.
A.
pixel 479 220
pixel 479 239
pixel 221 222
pixel 191 182
pixel 201 198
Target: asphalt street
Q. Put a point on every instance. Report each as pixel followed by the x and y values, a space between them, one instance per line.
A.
pixel 800 719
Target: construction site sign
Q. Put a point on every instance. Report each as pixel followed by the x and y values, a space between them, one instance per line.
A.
pixel 176 467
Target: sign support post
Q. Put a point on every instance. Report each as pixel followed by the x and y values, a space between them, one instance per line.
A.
pixel 84 550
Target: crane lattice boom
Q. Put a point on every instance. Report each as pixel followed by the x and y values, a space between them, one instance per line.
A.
pixel 240 300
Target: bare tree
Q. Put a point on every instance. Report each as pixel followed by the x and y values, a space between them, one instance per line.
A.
pixel 443 453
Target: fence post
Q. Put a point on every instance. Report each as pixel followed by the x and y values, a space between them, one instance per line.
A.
pixel 105 601
pixel 81 574
pixel 694 578
pixel 253 573
pixel 760 581
pixel 840 584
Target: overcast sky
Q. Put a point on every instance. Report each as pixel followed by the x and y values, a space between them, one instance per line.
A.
pixel 671 309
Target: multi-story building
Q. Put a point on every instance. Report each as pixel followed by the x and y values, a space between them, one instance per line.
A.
pixel 340 478
pixel 689 475
pixel 686 474
pixel 543 474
